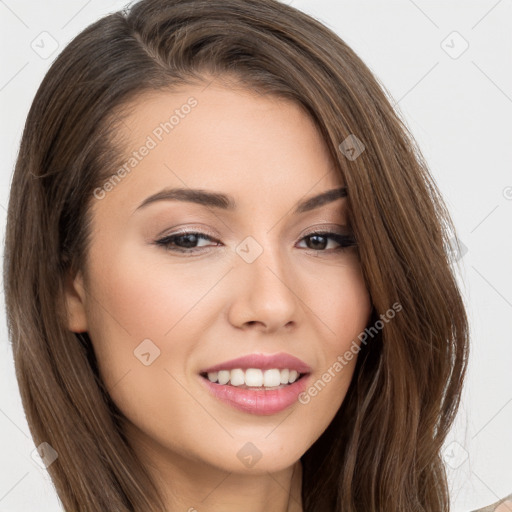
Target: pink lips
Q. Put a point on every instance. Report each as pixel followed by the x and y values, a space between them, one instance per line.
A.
pixel 259 401
pixel 262 361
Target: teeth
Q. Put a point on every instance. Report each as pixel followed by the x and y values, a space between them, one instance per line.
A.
pixel 254 377
pixel 224 376
pixel 237 378
pixel 271 378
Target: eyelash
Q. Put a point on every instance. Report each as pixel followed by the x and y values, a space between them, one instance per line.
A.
pixel 344 241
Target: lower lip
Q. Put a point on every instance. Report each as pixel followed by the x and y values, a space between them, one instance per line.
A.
pixel 258 401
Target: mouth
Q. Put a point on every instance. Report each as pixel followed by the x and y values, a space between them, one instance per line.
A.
pixel 258 383
pixel 255 379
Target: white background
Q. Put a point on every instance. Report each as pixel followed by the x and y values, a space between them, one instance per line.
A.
pixel 459 110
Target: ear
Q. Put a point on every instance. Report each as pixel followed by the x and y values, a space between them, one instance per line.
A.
pixel 75 297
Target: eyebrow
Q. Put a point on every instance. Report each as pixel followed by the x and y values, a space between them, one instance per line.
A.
pixel 225 202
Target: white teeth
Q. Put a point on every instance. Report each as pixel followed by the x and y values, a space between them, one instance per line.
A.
pixel 254 377
pixel 271 378
pixel 224 376
pixel 237 377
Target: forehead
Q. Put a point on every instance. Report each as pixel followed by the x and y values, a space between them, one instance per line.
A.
pixel 212 137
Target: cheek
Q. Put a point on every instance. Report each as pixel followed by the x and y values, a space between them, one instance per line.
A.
pixel 342 304
pixel 344 310
pixel 138 299
pixel 144 327
pixel 147 319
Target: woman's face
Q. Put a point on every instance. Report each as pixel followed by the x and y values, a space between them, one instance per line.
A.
pixel 251 284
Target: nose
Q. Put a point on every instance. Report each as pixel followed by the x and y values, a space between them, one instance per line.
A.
pixel 263 296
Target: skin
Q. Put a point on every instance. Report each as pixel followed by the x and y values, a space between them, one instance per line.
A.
pixel 211 306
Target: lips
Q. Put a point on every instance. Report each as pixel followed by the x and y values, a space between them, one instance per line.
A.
pixel 256 400
pixel 280 361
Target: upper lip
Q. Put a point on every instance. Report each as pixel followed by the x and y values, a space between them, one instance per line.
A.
pixel 263 361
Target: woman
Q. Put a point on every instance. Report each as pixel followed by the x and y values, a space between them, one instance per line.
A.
pixel 226 263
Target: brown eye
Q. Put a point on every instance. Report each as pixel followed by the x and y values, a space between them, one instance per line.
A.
pixel 318 241
pixel 184 242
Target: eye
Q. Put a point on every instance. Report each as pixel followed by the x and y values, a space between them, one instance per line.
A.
pixel 184 242
pixel 189 242
pixel 319 240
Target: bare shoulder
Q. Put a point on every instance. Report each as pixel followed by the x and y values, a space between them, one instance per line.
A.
pixel 503 505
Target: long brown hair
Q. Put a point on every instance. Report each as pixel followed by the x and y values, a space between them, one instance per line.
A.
pixel 382 449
